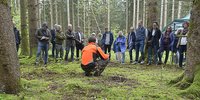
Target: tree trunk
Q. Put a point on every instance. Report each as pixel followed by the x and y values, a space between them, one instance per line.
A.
pixel 109 14
pixel 84 11
pixel 179 9
pixel 127 29
pixel 134 13
pixel 190 80
pixel 32 19
pixel 165 13
pixel 68 12
pixel 24 31
pixel 144 12
pixel 9 66
pixel 138 12
pixel 73 16
pixel 161 14
pixel 51 13
pixel 56 11
pixel 173 9
pixel 152 13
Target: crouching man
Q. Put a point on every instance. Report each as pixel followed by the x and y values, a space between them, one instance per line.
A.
pixel 94 60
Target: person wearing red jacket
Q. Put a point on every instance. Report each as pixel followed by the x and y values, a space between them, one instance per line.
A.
pixel 93 58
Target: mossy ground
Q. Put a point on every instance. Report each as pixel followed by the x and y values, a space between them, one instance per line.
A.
pixel 67 82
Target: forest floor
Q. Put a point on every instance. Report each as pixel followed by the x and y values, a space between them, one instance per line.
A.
pixel 67 82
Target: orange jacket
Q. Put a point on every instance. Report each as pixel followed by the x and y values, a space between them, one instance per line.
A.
pixel 91 52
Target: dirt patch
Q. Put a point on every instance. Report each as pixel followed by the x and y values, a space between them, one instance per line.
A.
pixel 117 80
pixel 54 86
pixel 79 92
pixel 47 74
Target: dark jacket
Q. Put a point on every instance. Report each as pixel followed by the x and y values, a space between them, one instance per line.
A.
pixel 103 40
pixel 60 37
pixel 154 40
pixel 17 36
pixel 140 34
pixel 53 36
pixel 40 33
pixel 167 41
pixel 131 38
pixel 70 36
pixel 78 37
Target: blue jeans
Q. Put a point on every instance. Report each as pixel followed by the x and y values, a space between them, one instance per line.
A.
pixel 182 50
pixel 42 46
pixel 153 49
pixel 67 52
pixel 131 47
pixel 139 48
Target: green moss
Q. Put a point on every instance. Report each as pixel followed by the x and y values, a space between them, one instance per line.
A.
pixel 194 90
pixel 66 81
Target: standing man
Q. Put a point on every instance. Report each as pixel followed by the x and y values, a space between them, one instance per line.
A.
pixel 140 40
pixel 43 35
pixel 131 43
pixel 79 42
pixel 17 37
pixel 53 37
pixel 60 37
pixel 153 43
pixel 70 43
pixel 107 41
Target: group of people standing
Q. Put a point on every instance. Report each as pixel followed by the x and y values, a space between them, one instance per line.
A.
pixel 153 43
pixel 57 38
pixel 97 52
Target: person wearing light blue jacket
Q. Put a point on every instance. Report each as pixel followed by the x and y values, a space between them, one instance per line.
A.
pixel 119 47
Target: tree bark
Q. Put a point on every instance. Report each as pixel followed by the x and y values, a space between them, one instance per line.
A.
pixel 9 66
pixel 24 31
pixel 161 14
pixel 152 13
pixel 32 19
pixel 179 8
pixel 173 9
pixel 144 12
pixel 165 12
pixel 134 13
pixel 138 12
pixel 68 12
pixel 127 29
pixel 109 14
pixel 190 80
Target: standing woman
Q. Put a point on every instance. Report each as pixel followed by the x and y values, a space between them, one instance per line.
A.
pixel 166 43
pixel 120 47
pixel 182 44
pixel 153 43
